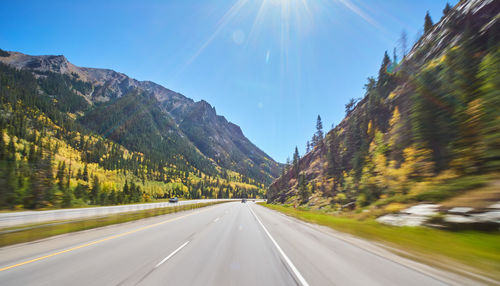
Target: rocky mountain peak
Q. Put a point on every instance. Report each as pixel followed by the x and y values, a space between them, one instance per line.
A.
pixel 58 63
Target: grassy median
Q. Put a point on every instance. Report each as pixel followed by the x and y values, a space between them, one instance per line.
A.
pixel 26 233
pixel 458 251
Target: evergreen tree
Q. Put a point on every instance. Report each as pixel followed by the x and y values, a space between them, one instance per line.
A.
pixel 383 74
pixel 319 130
pixel 41 184
pixel 11 150
pixel 403 43
pixel 447 9
pixel 428 24
pixel 112 197
pixel 296 160
pixel 32 155
pixel 85 175
pixel 70 174
pixel 2 146
pixel 67 198
pixel 303 190
pixel 489 75
pixel 96 189
pixel 314 141
pixel 126 188
pixel 7 183
pixel 349 107
pixel 287 163
pixel 61 169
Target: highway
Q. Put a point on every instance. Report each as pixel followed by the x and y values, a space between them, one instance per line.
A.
pixel 227 244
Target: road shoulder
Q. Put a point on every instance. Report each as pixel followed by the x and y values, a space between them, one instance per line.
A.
pixel 393 254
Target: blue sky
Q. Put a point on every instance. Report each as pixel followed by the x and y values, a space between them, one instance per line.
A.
pixel 270 66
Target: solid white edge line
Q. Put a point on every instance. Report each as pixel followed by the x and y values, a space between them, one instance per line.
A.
pixel 172 254
pixel 287 260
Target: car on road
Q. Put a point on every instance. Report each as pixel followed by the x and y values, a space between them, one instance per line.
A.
pixel 173 200
pixel 244 200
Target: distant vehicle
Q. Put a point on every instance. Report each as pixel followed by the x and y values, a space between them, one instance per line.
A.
pixel 244 200
pixel 173 200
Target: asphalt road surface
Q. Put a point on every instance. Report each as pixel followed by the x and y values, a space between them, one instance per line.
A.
pixel 228 244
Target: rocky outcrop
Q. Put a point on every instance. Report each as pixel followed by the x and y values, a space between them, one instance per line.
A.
pixel 455 218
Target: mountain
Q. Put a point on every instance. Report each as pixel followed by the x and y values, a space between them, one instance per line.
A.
pixel 149 118
pixel 427 128
pixel 73 136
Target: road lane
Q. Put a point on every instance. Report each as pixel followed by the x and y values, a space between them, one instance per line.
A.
pixel 110 262
pixel 218 245
pixel 233 251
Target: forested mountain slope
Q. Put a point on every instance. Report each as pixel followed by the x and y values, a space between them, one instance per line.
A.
pixel 221 143
pixel 427 128
pixel 78 136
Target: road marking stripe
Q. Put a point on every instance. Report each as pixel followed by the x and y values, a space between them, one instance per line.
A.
pixel 287 260
pixel 216 220
pixel 172 254
pixel 98 241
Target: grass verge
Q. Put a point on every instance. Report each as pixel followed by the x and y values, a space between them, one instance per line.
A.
pixel 472 251
pixel 9 236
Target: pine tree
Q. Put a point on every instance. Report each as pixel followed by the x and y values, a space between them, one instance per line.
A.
pixel 383 75
pixel 296 156
pixel 96 189
pixel 428 24
pixel 131 191
pixel 314 141
pixel 11 150
pixel 304 191
pixel 287 164
pixel 126 191
pixel 112 197
pixel 2 146
pixel 41 184
pixel 319 129
pixel 349 107
pixel 446 9
pixel 489 75
pixel 67 198
pixel 61 169
pixel 70 174
pixel 403 43
pixel 8 183
pixel 32 155
pixel 296 160
pixel 85 175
